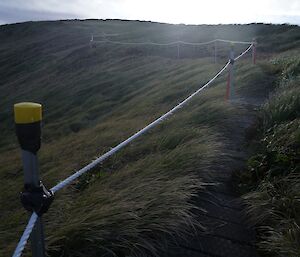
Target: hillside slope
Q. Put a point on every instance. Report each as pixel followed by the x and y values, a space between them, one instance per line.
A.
pixel 94 98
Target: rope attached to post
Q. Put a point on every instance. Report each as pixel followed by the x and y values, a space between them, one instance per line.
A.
pixel 20 247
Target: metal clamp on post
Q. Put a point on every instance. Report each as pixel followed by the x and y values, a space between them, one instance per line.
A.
pixel 35 197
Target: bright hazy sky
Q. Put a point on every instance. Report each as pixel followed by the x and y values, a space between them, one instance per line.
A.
pixel 170 11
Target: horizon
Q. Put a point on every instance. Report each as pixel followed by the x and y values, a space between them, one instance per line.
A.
pixel 188 12
pixel 150 21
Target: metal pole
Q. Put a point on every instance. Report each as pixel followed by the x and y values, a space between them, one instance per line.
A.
pixel 254 51
pixel 92 41
pixel 230 93
pixel 28 128
pixel 215 48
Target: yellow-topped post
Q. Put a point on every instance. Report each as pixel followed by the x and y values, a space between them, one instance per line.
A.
pixel 28 117
pixel 27 112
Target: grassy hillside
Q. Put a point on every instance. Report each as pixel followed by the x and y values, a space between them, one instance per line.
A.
pixel 93 98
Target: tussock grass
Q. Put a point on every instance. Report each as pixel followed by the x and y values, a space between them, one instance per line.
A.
pixel 275 208
pixel 140 201
pixel 133 213
pixel 284 107
pixel 272 180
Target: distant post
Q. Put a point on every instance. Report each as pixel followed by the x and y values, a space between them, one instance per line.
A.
pixel 254 51
pixel 178 51
pixel 230 85
pixel 28 118
pixel 92 41
pixel 215 51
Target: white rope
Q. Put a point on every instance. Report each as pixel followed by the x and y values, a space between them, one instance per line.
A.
pixel 23 240
pixel 152 43
pixel 243 53
pixel 127 141
pixel 171 43
pixel 234 42
pixel 20 247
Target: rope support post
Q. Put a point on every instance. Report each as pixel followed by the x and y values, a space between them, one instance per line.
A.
pixel 230 85
pixel 35 197
pixel 254 44
pixel 92 44
pixel 215 51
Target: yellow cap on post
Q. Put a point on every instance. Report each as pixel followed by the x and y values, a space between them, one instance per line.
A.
pixel 27 112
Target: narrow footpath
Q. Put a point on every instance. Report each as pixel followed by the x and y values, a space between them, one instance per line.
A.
pixel 227 232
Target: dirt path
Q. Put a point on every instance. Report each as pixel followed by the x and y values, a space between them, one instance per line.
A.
pixel 228 234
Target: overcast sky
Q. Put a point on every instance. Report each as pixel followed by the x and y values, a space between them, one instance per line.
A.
pixel 170 11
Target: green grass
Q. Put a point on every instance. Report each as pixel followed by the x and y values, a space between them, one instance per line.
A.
pixel 139 201
pixel 272 181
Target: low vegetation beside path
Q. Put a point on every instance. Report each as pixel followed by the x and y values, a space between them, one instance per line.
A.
pixel 272 181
